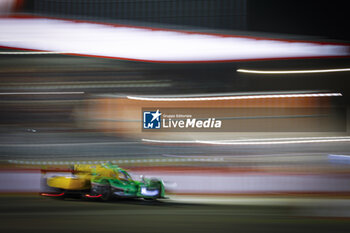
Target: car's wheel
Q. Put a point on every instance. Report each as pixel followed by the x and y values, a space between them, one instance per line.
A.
pixel 100 191
pixel 157 183
pixel 106 193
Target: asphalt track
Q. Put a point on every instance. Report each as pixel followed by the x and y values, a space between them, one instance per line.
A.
pixel 36 214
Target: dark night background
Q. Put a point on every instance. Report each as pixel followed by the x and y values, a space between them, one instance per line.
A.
pixel 316 18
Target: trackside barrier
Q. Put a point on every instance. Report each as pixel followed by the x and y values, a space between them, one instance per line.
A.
pixel 204 182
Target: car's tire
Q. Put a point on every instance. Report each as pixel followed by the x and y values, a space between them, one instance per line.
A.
pixel 102 191
pixel 158 183
pixel 106 193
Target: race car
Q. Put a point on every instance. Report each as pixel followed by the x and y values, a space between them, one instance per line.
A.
pixel 103 181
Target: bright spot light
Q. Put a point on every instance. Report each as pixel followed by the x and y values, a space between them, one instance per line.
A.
pixel 291 71
pixel 233 97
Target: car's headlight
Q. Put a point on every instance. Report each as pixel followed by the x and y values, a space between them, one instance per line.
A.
pixel 146 192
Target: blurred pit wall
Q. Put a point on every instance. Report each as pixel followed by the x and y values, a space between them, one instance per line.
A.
pixel 191 181
pixel 123 117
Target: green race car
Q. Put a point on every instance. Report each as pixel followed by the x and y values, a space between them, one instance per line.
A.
pixel 102 181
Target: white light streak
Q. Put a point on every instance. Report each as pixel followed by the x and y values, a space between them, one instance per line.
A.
pixel 275 142
pixel 339 156
pixel 31 53
pixel 164 141
pixel 233 97
pixel 267 141
pixel 147 44
pixel 292 71
pixel 118 162
pixel 283 139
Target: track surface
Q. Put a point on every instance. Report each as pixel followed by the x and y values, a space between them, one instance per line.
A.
pixel 35 214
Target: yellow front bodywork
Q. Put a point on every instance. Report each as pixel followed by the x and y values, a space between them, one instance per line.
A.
pixel 82 177
pixel 79 182
pixel 96 170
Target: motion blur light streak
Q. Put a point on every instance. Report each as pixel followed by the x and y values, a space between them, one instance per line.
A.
pixel 270 141
pixel 292 71
pixel 162 141
pixel 44 93
pixel 341 156
pixel 275 142
pixel 182 159
pixel 30 53
pixel 67 144
pixel 80 85
pixel 233 97
pixel 281 139
pixel 340 159
pixel 93 196
pixel 52 194
pixel 149 44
